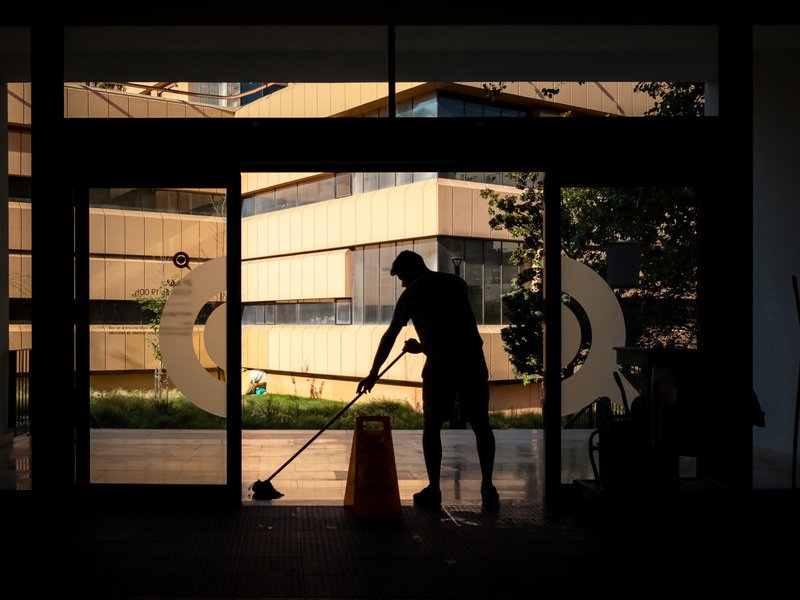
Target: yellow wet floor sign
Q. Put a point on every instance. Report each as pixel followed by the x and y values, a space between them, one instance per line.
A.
pixel 372 489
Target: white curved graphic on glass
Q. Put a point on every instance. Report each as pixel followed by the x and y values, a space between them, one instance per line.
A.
pixel 595 378
pixel 176 336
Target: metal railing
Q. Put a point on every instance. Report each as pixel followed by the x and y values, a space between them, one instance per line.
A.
pixel 19 402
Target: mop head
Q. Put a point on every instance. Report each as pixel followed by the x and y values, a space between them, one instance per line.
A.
pixel 264 490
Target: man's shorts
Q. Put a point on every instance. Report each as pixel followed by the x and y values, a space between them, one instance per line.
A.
pixel 443 391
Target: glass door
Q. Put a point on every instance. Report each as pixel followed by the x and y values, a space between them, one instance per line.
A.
pixel 155 336
pixel 629 336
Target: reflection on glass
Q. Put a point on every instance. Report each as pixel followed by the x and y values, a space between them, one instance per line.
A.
pixel 405 108
pixel 286 313
pixel 425 106
pixel 316 313
pixel 344 312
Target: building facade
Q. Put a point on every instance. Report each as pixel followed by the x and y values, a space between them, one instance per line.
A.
pixel 316 247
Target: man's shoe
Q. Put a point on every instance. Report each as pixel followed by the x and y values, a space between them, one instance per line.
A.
pixel 490 499
pixel 428 498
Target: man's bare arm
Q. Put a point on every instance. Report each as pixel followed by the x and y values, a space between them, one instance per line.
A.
pixel 381 354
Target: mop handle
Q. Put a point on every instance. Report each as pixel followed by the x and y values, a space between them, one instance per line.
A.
pixel 333 420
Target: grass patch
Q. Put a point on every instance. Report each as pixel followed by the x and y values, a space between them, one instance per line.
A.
pixel 120 409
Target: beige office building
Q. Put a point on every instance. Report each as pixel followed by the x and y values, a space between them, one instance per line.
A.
pixel 316 247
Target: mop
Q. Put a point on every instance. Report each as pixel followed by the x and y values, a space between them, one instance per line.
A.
pixel 264 490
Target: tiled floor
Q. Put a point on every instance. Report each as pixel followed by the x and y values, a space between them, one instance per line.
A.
pixel 704 544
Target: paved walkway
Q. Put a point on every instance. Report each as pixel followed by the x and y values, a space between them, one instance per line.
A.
pixel 318 475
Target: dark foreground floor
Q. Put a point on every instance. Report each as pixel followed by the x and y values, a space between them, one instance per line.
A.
pixel 703 546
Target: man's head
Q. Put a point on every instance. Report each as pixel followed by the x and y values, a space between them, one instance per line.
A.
pixel 408 266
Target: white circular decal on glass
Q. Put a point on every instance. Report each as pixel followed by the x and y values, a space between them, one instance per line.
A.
pixel 176 335
pixel 595 378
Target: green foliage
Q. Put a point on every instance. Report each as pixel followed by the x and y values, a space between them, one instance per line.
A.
pixel 104 85
pixel 663 220
pixel 521 215
pixel 120 409
pixel 674 99
pixel 152 305
pixel 491 90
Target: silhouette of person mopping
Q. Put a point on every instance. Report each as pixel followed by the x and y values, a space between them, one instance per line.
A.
pixel 455 372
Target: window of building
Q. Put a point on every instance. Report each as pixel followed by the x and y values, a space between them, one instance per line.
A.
pixel 19 310
pixel 485 266
pixel 344 312
pixel 253 314
pixel 452 105
pixel 130 312
pixel 316 313
pixel 340 185
pixel 487 269
pixel 371 275
pixel 19 188
pixel 328 312
pixel 158 200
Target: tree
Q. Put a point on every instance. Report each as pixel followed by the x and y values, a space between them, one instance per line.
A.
pixel 671 99
pixel 674 99
pixel 104 85
pixel 152 302
pixel 663 220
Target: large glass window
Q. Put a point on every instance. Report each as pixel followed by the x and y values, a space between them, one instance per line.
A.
pixel 298 313
pixel 482 263
pixel 340 185
pixel 162 200
pixel 629 330
pixel 316 313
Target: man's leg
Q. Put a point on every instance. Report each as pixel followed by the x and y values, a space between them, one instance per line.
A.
pixel 484 440
pixel 431 495
pixel 432 450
